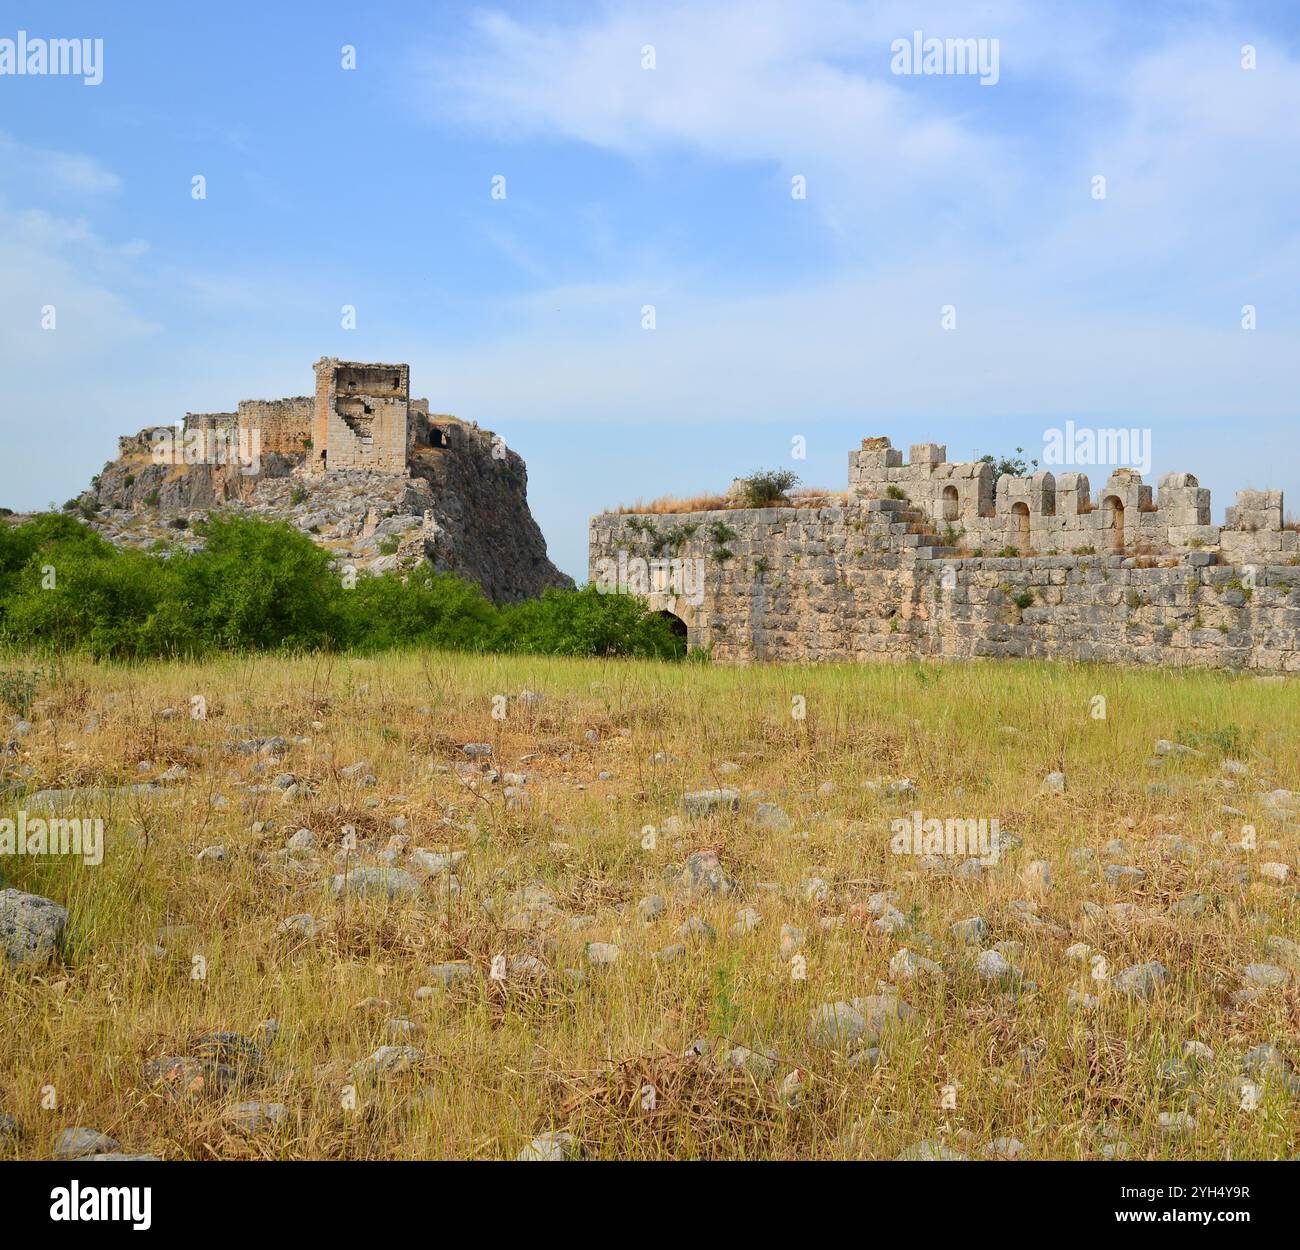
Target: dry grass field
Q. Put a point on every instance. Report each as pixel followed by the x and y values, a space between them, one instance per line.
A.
pixel 562 974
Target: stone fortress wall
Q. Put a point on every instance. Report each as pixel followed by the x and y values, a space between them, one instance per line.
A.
pixel 925 559
pixel 284 424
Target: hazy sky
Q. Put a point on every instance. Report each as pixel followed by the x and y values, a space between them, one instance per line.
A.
pixel 669 186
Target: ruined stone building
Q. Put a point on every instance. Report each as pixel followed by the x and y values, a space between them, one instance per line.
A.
pixel 360 419
pixel 926 558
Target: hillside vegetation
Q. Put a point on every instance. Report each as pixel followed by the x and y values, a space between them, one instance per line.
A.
pixel 258 585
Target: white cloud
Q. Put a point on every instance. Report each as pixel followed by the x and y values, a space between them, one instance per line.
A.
pixel 53 172
pixel 1194 147
pixel 1065 304
pixel 60 262
pixel 736 82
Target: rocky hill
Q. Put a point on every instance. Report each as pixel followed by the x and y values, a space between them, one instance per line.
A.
pixel 462 504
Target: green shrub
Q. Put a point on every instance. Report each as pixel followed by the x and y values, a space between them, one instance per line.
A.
pixel 585 622
pixel 1015 465
pixel 18 690
pixel 73 595
pixel 427 609
pixel 767 487
pixel 260 586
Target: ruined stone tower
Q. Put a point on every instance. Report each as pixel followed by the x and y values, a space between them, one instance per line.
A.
pixel 361 416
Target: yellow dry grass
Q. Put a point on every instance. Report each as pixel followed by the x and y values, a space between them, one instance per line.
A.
pixel 501 1061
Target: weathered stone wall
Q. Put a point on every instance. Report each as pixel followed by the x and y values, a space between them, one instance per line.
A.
pixel 874 580
pixel 284 425
pixel 211 422
pixel 1103 608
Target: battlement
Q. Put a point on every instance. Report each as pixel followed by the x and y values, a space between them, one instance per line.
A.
pixel 1048 515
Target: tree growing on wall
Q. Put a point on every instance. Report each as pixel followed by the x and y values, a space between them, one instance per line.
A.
pixel 1016 465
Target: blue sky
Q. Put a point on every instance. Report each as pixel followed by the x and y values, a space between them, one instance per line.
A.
pixel 775 317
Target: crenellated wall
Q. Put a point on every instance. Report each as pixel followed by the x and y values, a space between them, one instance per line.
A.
pixel 909 567
pixel 1043 514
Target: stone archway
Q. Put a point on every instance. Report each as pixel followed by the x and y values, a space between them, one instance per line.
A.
pixel 951 503
pixel 675 622
pixel 678 626
pixel 681 615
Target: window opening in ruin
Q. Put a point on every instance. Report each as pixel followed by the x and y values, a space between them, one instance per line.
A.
pixel 1113 510
pixel 1020 513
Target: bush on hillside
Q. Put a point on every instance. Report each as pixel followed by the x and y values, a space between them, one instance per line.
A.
pixel 263 586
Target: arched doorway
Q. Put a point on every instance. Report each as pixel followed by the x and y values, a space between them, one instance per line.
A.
pixel 951 504
pixel 677 626
pixel 1112 512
